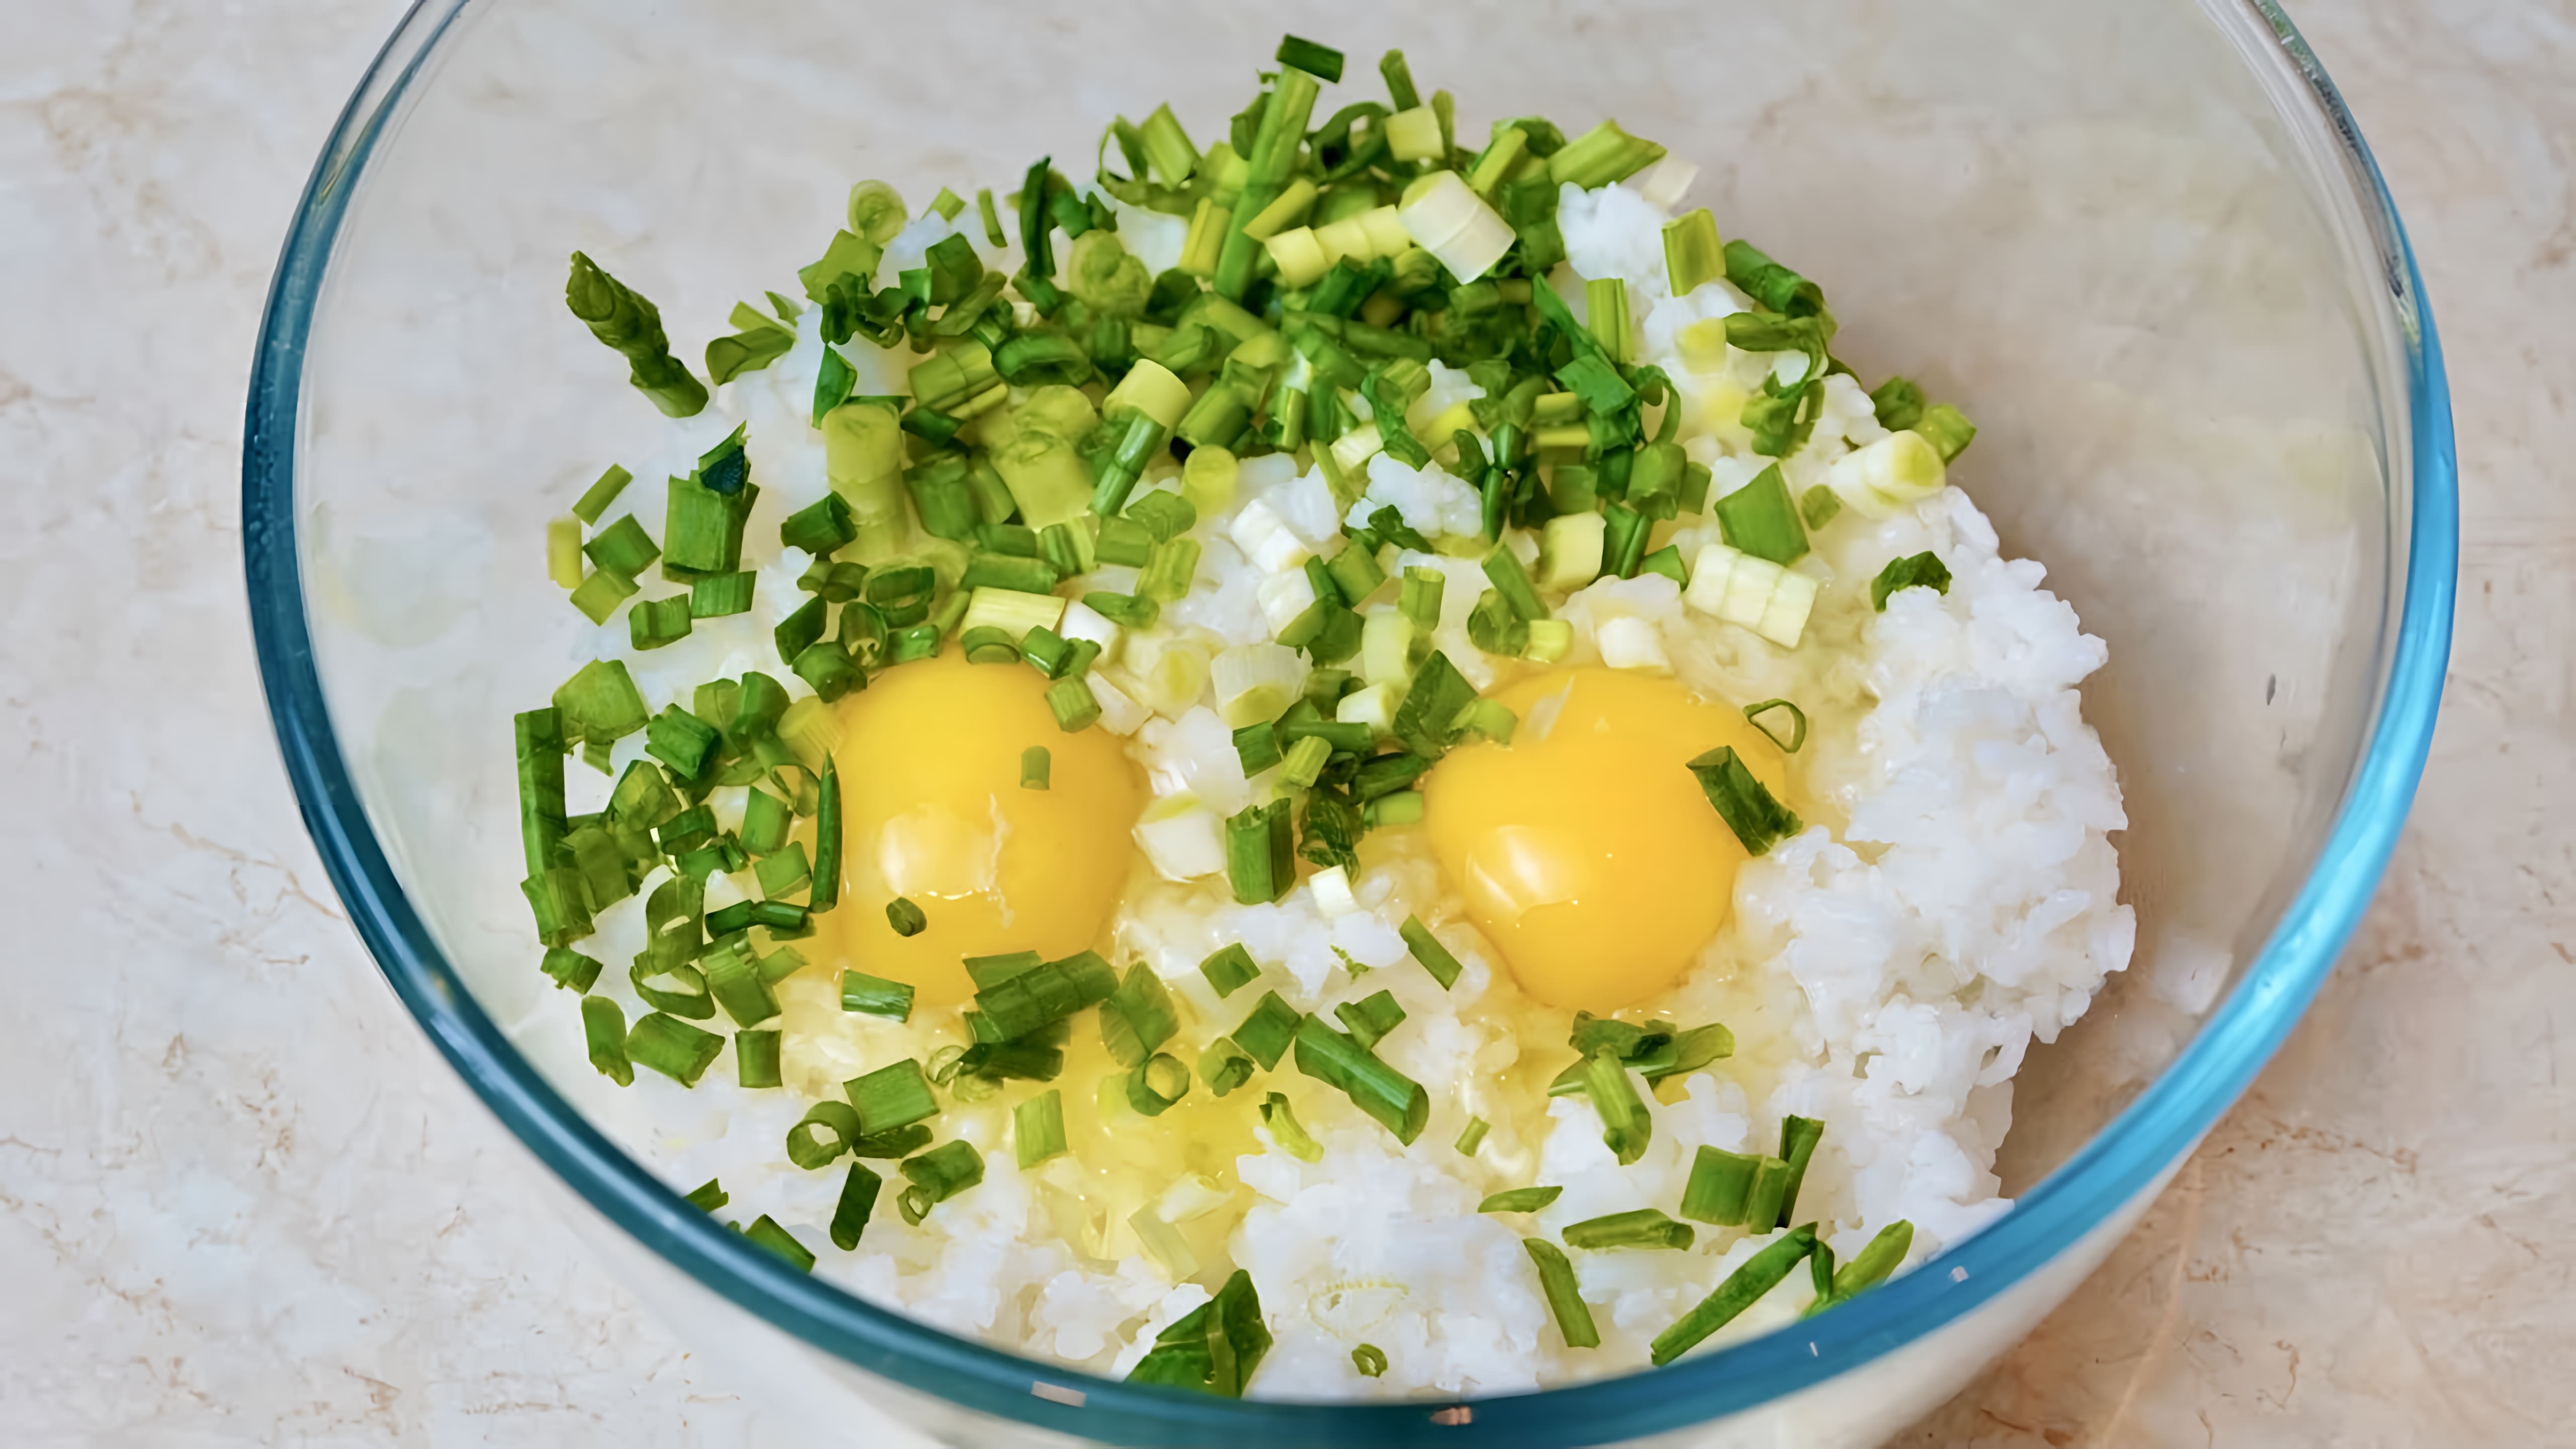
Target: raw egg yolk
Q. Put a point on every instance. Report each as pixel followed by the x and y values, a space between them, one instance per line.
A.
pixel 1586 850
pixel 933 810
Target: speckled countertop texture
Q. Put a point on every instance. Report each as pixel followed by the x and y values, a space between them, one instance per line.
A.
pixel 241 1202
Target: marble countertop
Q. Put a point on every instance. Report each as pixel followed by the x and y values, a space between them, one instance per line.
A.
pixel 245 1204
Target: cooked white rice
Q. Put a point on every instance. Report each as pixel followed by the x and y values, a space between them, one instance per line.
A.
pixel 1884 971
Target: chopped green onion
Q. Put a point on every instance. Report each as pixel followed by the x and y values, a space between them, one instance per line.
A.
pixel 1127 610
pixel 1164 515
pixel 1042 995
pixel 563 551
pixel 1776 287
pixel 906 918
pixel 1073 704
pixel 1473 1137
pixel 734 980
pixel 1156 1084
pixel 1922 570
pixel 1230 968
pixel 1018 575
pixel 1503 567
pixel 833 379
pixel 1720 1186
pixel 595 500
pixel 682 741
pixel 1797 723
pixel 1225 1065
pixel 703 514
pixel 1426 948
pixel 1046 651
pixel 1520 1200
pixel 767 1233
pixel 1037 1128
pixel 825 1131
pixel 1759 519
pixel 538 743
pixel 1036 768
pixel 780 964
pixel 820 528
pixel 1625 1125
pixel 1640 1228
pixel 1898 404
pixel 827 840
pixel 1758 819
pixel 601 593
pixel 1564 1296
pixel 603 1030
pixel 1305 760
pixel 1277 1115
pixel 1873 1263
pixel 1947 429
pixel 1432 704
pixel 892 1096
pixel 688 995
pixel 1742 1289
pixel 573 971
pixel 893 1143
pixel 633 326
pixel 876 996
pixel 1214 1348
pixel 800 629
pixel 1686 1051
pixel 1404 807
pixel 707 1196
pixel 1397 1102
pixel 1269 1030
pixel 1166 578
pixel 858 1202
pixel 1372 1018
pixel 717 596
pixel 672 1047
pixel 1798 1139
pixel 1762 1200
pixel 938 1175
pixel 828 669
pixel 1260 853
pixel 1125 542
pixel 1316 60
pixel 1370 1360
pixel 1601 156
pixel 1819 507
pixel 1138 1017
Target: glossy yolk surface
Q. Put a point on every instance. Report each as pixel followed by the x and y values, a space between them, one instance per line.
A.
pixel 1585 849
pixel 933 809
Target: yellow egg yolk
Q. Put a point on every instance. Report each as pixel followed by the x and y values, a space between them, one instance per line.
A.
pixel 933 810
pixel 1586 850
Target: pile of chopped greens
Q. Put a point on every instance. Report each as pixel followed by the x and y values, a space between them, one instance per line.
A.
pixel 1326 264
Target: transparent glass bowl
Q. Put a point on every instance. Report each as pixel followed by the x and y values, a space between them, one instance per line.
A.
pixel 2141 243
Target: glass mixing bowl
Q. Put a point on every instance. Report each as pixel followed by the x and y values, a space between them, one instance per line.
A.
pixel 2141 243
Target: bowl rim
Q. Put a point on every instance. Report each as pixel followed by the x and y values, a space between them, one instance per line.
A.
pixel 2125 1159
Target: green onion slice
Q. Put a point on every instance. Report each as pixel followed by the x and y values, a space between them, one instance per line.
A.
pixel 755 1058
pixel 1426 948
pixel 1396 1101
pixel 603 1029
pixel 858 1202
pixel 1473 1136
pixel 1564 1296
pixel 825 1131
pixel 1922 570
pixel 707 1196
pixel 770 1235
pixel 1520 1200
pixel 1214 1348
pixel 1720 1186
pixel 1036 768
pixel 1285 1130
pixel 938 1175
pixel 906 918
pixel 672 1047
pixel 1640 1228
pixel 1798 1139
pixel 1268 1032
pixel 1742 1289
pixel 892 1096
pixel 1797 735
pixel 1138 1017
pixel 1625 1125
pixel 1037 1128
pixel 876 996
pixel 1229 969
pixel 1758 819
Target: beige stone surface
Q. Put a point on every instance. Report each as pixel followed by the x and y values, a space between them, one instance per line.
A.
pixel 241 1202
